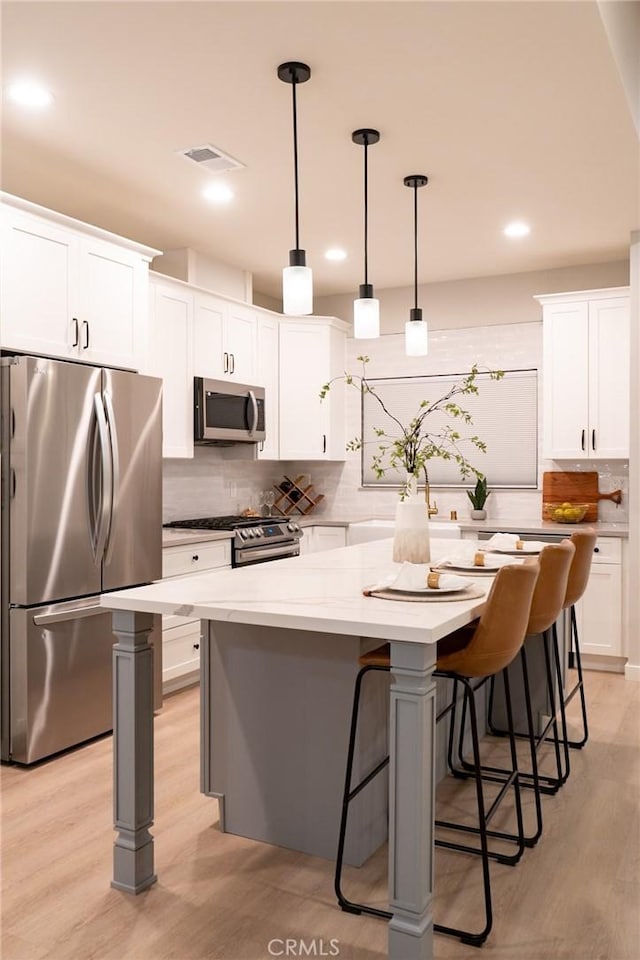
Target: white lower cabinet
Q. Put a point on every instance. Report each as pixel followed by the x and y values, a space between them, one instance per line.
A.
pixel 181 635
pixel 599 611
pixel 316 539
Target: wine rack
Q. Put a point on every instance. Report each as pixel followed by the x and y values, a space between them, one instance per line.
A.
pixel 297 497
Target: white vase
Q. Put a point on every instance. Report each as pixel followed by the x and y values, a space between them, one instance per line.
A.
pixel 411 535
pixel 478 514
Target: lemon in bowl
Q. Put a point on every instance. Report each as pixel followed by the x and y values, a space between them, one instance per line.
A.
pixel 565 512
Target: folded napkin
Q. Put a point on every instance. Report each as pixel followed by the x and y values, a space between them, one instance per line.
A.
pixel 504 541
pixel 418 576
pixel 476 558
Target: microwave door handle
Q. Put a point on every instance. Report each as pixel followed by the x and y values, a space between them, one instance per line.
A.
pixel 106 478
pixel 254 408
pixel 115 466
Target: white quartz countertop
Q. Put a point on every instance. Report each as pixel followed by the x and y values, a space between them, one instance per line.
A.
pixel 318 592
pixel 602 527
pixel 176 537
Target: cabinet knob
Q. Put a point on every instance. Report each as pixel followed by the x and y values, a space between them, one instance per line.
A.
pixel 596 549
pixel 195 557
pixel 196 646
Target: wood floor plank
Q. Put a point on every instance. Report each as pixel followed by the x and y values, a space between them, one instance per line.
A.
pixel 575 896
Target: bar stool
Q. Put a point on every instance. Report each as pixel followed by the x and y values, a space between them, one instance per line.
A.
pixel 548 598
pixel 480 650
pixel 584 542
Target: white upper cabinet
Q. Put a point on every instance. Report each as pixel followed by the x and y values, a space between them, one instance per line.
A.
pixel 70 290
pixel 586 340
pixel 39 285
pixel 113 296
pixel 170 356
pixel 312 351
pixel 267 376
pixel 225 339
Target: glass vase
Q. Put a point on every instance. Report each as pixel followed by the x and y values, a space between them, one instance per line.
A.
pixel 411 534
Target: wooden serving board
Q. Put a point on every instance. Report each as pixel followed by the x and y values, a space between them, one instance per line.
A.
pixel 576 487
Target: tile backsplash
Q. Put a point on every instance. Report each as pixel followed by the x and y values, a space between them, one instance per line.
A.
pixel 213 484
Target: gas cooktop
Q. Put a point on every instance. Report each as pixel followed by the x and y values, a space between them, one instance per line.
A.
pixel 222 523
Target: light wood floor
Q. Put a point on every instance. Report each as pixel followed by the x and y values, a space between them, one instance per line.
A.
pixel 576 896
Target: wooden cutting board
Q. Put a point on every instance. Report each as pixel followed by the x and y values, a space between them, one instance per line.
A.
pixel 576 487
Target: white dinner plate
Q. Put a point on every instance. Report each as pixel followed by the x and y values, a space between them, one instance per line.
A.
pixel 422 590
pixel 492 562
pixel 530 548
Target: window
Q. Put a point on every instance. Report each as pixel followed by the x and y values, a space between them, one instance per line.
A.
pixel 505 417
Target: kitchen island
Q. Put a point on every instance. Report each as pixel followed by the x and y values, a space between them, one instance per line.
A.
pixel 308 617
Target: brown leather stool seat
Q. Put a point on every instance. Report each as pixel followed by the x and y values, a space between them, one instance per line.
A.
pixel 480 650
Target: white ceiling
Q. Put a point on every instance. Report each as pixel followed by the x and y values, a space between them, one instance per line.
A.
pixel 514 110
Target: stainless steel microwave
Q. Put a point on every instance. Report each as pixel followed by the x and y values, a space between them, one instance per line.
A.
pixel 227 412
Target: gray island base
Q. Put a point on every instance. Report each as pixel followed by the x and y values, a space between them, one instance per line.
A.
pixel 277 682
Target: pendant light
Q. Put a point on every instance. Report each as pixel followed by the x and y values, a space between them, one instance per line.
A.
pixel 297 280
pixel 366 309
pixel 416 334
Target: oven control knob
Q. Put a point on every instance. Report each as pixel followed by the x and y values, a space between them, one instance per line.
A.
pixel 259 532
pixel 251 533
pixel 293 527
pixel 242 534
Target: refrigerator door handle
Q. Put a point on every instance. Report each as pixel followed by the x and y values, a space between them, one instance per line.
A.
pixel 115 465
pixel 68 613
pixel 107 478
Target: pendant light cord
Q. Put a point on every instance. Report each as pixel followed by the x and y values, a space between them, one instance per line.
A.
pixel 366 212
pixel 295 158
pixel 415 245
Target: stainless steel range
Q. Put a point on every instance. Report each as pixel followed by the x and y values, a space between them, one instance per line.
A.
pixel 255 539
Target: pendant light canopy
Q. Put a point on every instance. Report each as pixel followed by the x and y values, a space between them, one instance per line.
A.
pixel 366 309
pixel 416 334
pixel 297 281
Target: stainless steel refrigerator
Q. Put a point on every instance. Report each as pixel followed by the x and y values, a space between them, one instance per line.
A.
pixel 81 476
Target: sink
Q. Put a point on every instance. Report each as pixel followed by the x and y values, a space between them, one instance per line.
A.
pixel 366 530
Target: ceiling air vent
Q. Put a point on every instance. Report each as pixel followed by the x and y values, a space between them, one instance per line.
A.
pixel 210 158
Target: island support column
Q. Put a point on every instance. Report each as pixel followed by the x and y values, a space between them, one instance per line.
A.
pixel 133 869
pixel 411 800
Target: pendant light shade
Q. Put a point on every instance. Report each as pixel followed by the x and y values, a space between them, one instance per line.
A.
pixel 297 280
pixel 416 334
pixel 366 309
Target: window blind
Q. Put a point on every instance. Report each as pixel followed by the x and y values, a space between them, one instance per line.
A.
pixel 505 417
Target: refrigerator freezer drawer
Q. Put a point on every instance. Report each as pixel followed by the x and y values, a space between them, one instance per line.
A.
pixel 61 677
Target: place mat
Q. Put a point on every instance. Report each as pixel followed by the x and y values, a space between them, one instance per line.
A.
pixel 469 593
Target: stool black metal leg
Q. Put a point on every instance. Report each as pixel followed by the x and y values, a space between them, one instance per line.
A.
pixel 562 777
pixel 347 905
pixel 476 939
pixel 578 744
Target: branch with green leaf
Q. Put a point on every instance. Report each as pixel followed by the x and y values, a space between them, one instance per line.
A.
pixel 411 446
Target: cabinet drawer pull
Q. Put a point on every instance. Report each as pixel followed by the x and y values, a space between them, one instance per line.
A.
pixel 324 443
pixel 77 332
pixel 233 363
pixel 593 439
pixel 225 367
pixel 583 439
pixel 195 557
pixel 196 646
pixel 85 327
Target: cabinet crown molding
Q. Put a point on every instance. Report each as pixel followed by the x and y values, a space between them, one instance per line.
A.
pixel 582 295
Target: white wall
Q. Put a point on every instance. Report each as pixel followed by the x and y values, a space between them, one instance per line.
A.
pixel 206 272
pixel 479 301
pixel 632 670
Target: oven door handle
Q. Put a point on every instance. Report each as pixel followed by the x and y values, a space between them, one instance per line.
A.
pixel 254 410
pixel 246 555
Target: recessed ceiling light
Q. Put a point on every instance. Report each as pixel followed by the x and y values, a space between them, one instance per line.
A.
pixel 335 253
pixel 218 192
pixel 517 229
pixel 29 94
